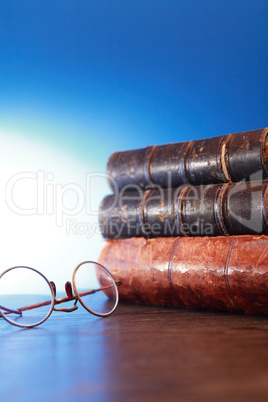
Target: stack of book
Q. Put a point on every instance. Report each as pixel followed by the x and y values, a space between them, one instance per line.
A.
pixel 187 223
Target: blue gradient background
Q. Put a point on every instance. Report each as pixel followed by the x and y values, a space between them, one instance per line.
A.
pixel 88 78
pixel 99 76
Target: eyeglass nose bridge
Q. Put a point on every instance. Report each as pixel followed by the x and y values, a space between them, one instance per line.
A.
pixel 70 295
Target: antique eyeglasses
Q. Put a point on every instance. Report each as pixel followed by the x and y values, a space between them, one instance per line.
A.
pixel 27 297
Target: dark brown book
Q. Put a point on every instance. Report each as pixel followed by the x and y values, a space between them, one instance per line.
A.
pixel 214 273
pixel 212 210
pixel 227 158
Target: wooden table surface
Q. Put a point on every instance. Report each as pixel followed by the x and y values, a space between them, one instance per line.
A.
pixel 140 353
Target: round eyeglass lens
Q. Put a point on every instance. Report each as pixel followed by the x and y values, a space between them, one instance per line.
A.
pixel 95 288
pixel 26 298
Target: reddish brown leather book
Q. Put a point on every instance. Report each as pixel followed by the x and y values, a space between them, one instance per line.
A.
pixel 212 210
pixel 227 158
pixel 216 273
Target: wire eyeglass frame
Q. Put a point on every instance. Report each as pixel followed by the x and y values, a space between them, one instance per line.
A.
pixel 71 294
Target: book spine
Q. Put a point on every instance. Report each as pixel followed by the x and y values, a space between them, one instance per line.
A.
pixel 216 273
pixel 229 158
pixel 213 210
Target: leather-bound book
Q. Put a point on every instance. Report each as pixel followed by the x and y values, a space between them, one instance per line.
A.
pixel 228 158
pixel 214 273
pixel 212 210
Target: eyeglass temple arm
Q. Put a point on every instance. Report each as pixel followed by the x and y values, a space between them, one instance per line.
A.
pixel 9 310
pixel 64 299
